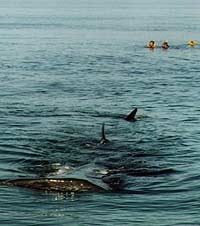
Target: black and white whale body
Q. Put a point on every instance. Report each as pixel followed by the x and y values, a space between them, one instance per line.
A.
pixel 54 184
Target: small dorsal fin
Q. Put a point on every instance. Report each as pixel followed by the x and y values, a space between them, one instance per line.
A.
pixel 131 115
pixel 103 136
pixel 103 132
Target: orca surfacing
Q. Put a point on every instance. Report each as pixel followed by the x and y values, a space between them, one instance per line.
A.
pixel 66 184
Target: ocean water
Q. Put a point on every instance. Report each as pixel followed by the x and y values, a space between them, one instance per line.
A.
pixel 68 66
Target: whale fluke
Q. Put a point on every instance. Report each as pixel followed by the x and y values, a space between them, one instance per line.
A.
pixel 54 184
pixel 131 115
pixel 103 136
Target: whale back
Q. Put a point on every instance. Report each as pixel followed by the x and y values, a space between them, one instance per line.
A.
pixel 52 184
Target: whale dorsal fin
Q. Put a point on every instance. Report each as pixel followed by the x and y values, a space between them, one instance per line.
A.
pixel 103 136
pixel 131 115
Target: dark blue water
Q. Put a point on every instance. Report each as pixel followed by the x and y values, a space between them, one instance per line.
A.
pixel 69 66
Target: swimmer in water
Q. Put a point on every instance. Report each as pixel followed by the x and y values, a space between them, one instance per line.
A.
pixel 192 43
pixel 151 45
pixel 165 45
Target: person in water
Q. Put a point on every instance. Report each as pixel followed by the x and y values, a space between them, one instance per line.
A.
pixel 165 45
pixel 192 43
pixel 151 45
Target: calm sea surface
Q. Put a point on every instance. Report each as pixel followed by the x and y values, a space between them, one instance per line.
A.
pixel 66 67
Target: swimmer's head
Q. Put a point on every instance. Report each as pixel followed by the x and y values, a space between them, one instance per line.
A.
pixel 165 44
pixel 151 44
pixel 192 43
